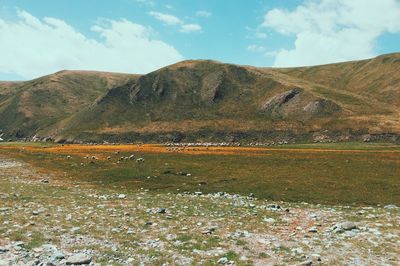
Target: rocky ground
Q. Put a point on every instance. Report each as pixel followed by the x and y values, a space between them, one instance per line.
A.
pixel 46 220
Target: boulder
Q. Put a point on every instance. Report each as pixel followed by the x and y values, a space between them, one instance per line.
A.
pixel 79 259
pixel 347 226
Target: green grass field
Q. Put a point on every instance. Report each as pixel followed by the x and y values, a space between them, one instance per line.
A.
pixel 352 173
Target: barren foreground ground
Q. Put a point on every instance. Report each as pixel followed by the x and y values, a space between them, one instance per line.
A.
pixel 54 218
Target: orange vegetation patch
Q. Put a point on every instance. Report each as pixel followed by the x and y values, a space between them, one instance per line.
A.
pixel 77 149
pixel 147 148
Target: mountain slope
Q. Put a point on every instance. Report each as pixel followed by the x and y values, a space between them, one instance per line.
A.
pixel 376 78
pixel 32 107
pixel 202 100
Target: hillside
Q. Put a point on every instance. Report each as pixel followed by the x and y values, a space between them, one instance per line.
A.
pixel 377 78
pixel 43 105
pixel 210 101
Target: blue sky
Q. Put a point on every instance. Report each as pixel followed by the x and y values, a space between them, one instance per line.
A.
pixel 137 36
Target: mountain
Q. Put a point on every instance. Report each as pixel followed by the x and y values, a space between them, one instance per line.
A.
pixel 203 100
pixel 42 106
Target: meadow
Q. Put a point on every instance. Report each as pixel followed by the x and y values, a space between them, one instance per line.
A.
pixel 344 173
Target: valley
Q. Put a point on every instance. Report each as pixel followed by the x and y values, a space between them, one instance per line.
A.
pixel 155 204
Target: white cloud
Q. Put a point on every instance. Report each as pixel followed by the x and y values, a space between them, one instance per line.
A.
pixel 256 48
pixel 188 28
pixel 203 13
pixel 30 47
pixel 167 19
pixel 171 20
pixel 329 31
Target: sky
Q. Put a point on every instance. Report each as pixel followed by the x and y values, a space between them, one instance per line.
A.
pixel 139 36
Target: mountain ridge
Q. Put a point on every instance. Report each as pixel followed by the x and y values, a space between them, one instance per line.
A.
pixel 206 100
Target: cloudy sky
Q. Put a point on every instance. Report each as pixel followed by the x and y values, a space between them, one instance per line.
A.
pixel 138 36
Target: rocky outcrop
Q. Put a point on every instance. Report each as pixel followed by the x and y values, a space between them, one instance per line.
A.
pixel 299 104
pixel 211 88
pixel 321 107
pixel 276 103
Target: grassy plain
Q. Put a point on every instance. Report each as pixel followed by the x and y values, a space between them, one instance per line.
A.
pixel 348 173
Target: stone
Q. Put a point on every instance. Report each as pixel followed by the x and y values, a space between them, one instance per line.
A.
pixel 313 216
pixel 223 260
pixel 269 220
pixel 157 210
pixel 239 234
pixel 3 250
pixel 19 244
pixel 49 248
pixel 305 263
pixel 274 207
pixel 209 231
pixel 315 257
pixel 347 226
pixel 375 231
pixel 79 259
pixel 313 230
pixel 58 255
pixel 161 210
pixel 298 250
pixel 75 230
pixel 122 196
